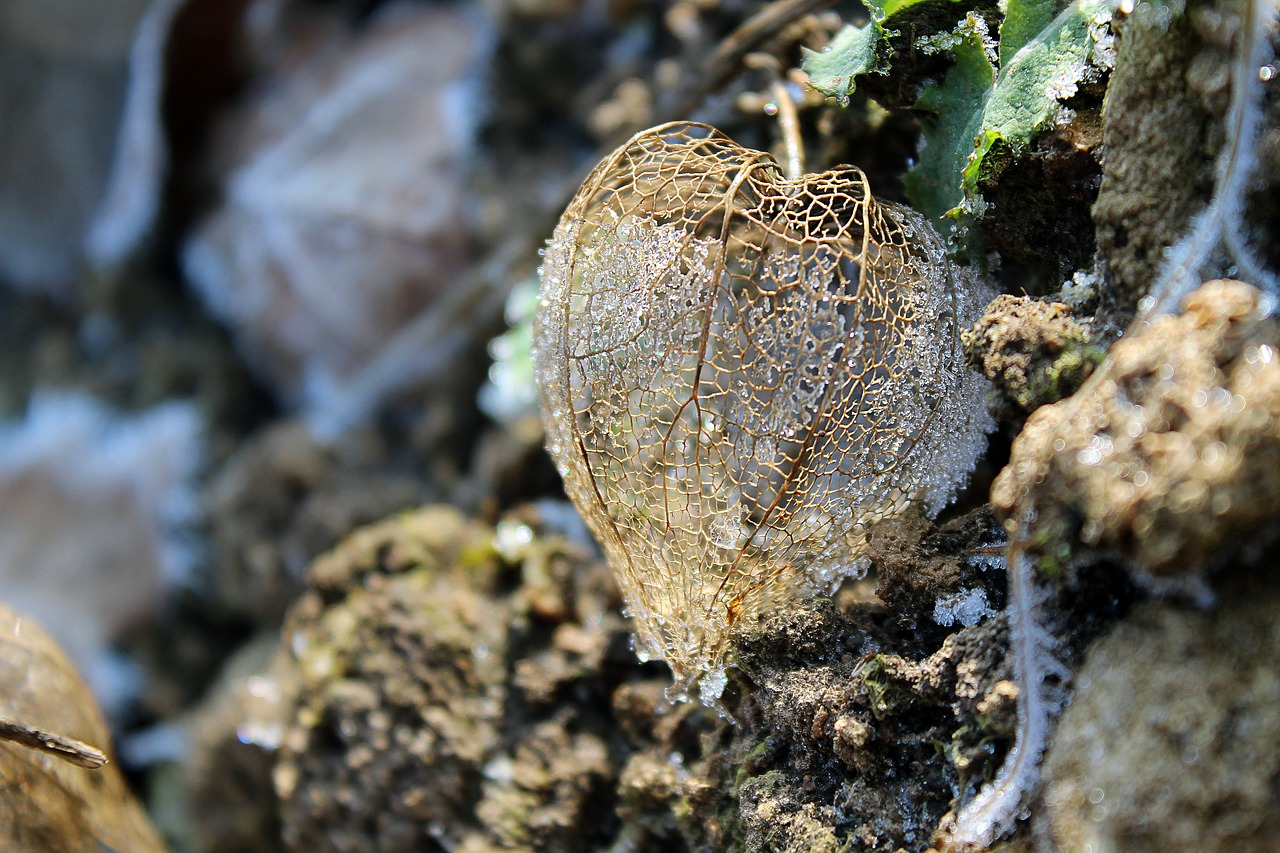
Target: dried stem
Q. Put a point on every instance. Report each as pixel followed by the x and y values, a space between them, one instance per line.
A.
pixel 77 752
pixel 789 121
pixel 754 32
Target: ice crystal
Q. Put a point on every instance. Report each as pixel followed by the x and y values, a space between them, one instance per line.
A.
pixel 966 607
pixel 739 374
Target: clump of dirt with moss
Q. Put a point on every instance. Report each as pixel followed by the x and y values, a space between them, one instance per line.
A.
pixel 1032 352
pixel 1169 458
pixel 447 685
pixel 1168 743
pixel 875 713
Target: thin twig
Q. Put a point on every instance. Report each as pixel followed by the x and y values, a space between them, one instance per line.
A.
pixel 77 752
pixel 789 121
pixel 754 32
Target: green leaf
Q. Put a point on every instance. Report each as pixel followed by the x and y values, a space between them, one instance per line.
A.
pixel 1043 58
pixel 882 9
pixel 1023 20
pixel 854 51
pixel 934 185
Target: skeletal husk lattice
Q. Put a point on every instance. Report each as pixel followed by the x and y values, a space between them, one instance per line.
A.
pixel 739 374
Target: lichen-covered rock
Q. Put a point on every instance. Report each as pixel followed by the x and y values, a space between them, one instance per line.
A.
pixel 545 796
pixel 1032 352
pixel 866 745
pixel 401 650
pixel 1170 741
pixel 647 786
pixel 448 684
pixel 1169 457
pixel 777 821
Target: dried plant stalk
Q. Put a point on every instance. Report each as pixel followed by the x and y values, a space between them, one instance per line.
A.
pixel 739 374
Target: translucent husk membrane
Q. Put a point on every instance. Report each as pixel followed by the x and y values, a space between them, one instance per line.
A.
pixel 739 374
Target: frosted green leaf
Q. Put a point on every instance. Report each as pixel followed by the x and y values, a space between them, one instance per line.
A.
pixel 855 51
pixel 1042 60
pixel 935 184
pixel 739 374
pixel 1023 22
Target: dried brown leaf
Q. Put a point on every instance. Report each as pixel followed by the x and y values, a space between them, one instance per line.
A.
pixel 740 373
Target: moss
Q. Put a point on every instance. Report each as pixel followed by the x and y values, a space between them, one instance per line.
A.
pixel 1034 353
pixel 1156 134
pixel 750 763
pixel 1061 377
pixel 880 688
pixel 429 688
pixel 1053 544
pixel 769 807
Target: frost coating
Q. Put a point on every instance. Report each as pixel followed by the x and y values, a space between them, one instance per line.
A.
pixel 967 607
pixel 739 374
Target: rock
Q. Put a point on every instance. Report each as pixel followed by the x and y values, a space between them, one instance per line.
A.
pixel 50 803
pixel 401 650
pixel 1169 456
pixel 1170 741
pixel 454 686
